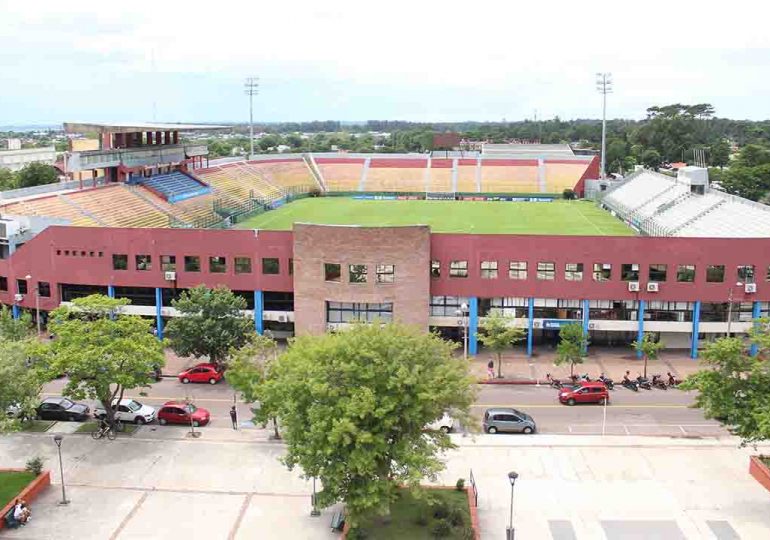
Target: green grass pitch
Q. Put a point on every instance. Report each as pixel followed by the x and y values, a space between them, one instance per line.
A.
pixel 578 218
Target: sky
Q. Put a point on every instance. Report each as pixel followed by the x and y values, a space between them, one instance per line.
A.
pixel 429 61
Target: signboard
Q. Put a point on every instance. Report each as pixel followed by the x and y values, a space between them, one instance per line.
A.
pixel 555 324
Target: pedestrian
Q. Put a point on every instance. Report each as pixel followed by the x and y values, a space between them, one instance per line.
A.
pixel 234 417
pixel 491 369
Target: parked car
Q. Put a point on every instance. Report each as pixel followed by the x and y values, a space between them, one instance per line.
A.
pixel 446 424
pixel 505 420
pixel 201 373
pixel 61 408
pixel 128 410
pixel 584 392
pixel 177 412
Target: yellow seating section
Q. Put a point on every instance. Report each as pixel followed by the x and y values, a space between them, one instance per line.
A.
pixel 515 179
pixel 395 179
pixel 466 178
pixel 341 176
pixel 561 176
pixel 440 180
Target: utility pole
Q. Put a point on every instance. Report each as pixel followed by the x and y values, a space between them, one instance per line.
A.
pixel 604 87
pixel 252 89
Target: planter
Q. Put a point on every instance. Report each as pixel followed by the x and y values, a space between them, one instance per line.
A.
pixel 760 471
pixel 29 493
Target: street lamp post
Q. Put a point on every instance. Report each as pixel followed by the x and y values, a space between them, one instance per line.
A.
pixel 463 314
pixel 58 438
pixel 315 512
pixel 37 304
pixel 509 532
pixel 730 308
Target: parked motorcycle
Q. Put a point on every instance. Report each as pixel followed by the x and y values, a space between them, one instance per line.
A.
pixel 672 381
pixel 553 383
pixel 607 382
pixel 658 382
pixel 643 383
pixel 630 384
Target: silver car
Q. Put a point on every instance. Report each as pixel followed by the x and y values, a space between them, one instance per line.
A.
pixel 506 420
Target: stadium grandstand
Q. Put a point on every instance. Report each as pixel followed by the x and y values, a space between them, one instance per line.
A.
pixel 316 241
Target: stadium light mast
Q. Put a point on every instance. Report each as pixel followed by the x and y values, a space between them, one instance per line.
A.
pixel 252 89
pixel 604 87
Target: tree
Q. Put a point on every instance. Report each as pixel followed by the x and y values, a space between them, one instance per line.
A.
pixel 14 329
pixel 573 343
pixel 497 334
pixel 651 158
pixel 15 365
pixel 103 351
pixel 353 407
pixel 37 174
pixel 753 183
pixel 649 349
pixel 733 387
pixel 720 154
pixel 8 179
pixel 211 324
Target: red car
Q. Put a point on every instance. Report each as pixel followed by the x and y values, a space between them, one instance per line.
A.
pixel 202 373
pixel 585 392
pixel 178 412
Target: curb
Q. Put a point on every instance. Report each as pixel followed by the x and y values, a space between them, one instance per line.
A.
pixel 509 382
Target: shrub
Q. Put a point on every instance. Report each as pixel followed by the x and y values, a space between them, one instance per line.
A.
pixel 456 517
pixel 422 519
pixel 441 510
pixel 460 485
pixel 468 533
pixel 357 534
pixel 569 195
pixel 34 465
pixel 441 529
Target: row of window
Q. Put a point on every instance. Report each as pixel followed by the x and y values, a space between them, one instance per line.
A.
pixel 546 271
pixel 346 312
pixel 43 287
pixel 358 273
pixel 192 263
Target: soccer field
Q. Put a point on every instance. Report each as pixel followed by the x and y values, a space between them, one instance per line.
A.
pixel 493 217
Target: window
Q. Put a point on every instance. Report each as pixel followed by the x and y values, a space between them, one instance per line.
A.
pixel 3 283
pixel 192 263
pixel 143 262
pixel 435 269
pixel 243 265
pixel 602 271
pixel 346 312
pixel 21 286
pixel 168 263
pixel 746 274
pixel 715 273
pixel 332 272
pixel 90 253
pixel 270 266
pixel 573 271
pixel 488 269
pixel 44 289
pixel 217 265
pixel 658 272
pixel 685 273
pixel 357 273
pixel 119 262
pixel 517 270
pixel 629 272
pixel 386 273
pixel 767 274
pixel 291 267
pixel 446 306
pixel 546 271
pixel 458 269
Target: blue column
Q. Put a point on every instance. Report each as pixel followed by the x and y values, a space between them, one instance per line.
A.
pixel 640 332
pixel 473 325
pixel 586 311
pixel 755 313
pixel 530 322
pixel 158 316
pixel 111 291
pixel 259 308
pixel 15 311
pixel 695 331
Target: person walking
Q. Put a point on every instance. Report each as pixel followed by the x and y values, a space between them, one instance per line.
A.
pixel 234 417
pixel 491 369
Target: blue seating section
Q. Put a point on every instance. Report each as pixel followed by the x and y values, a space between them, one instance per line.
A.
pixel 175 186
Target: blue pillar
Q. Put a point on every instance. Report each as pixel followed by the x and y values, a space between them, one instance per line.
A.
pixel 259 308
pixel 586 311
pixel 473 325
pixel 530 322
pixel 15 311
pixel 640 332
pixel 755 313
pixel 158 307
pixel 695 330
pixel 111 291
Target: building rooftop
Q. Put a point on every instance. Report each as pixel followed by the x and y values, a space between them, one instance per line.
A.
pixel 83 127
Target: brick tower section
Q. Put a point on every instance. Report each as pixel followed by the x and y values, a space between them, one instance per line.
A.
pixel 407 248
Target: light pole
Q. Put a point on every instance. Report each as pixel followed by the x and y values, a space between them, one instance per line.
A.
pixel 37 304
pixel 604 87
pixel 58 438
pixel 730 308
pixel 509 532
pixel 315 512
pixel 463 314
pixel 252 89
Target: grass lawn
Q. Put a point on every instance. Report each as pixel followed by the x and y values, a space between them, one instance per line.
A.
pixel 90 427
pixel 11 483
pixel 480 217
pixel 37 426
pixel 405 513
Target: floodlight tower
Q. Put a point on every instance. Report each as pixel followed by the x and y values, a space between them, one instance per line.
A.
pixel 252 89
pixel 604 87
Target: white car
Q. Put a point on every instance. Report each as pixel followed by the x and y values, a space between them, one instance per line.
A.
pixel 129 410
pixel 446 424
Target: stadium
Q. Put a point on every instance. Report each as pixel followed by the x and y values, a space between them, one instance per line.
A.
pixel 314 242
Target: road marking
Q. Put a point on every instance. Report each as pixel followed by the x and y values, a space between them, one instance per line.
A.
pixel 626 428
pixel 531 406
pixel 683 431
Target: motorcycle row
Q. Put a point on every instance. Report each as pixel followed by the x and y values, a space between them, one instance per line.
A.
pixel 657 381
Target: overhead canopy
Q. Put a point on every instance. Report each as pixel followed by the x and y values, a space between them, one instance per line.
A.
pixel 85 127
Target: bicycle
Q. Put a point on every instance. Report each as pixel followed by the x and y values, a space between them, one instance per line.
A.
pixel 111 431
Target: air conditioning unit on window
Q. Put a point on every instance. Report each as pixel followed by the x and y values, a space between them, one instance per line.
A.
pixel 633 286
pixel 170 276
pixel 535 324
pixel 18 297
pixel 653 287
pixel 750 288
pixel 591 326
pixel 282 318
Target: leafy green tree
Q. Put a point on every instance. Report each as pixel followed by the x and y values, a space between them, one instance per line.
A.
pixel 37 174
pixel 750 182
pixel 573 343
pixel 211 324
pixel 8 179
pixel 103 351
pixel 14 329
pixel 22 381
pixel 651 159
pixel 720 154
pixel 753 155
pixel 648 347
pixel 353 407
pixel 498 334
